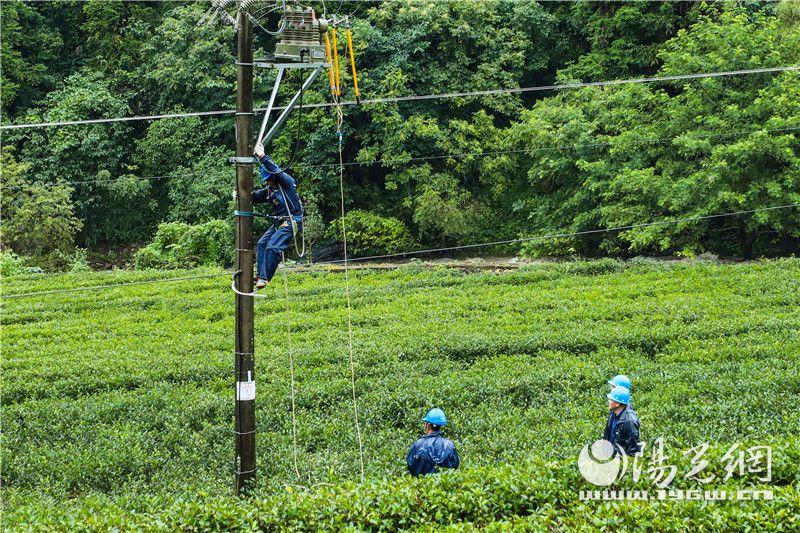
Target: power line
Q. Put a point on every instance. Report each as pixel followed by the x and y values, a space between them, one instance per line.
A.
pixel 665 222
pixel 490 92
pixel 575 85
pixel 442 1
pixel 574 234
pixel 460 155
pixel 109 180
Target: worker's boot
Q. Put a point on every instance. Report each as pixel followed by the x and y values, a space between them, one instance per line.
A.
pixel 260 283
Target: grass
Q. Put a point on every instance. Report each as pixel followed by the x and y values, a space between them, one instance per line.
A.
pixel 117 403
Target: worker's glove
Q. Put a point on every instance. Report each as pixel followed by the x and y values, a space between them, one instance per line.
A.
pixel 233 193
pixel 259 151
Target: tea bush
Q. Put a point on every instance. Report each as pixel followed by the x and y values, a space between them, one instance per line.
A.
pixel 13 265
pixel 117 403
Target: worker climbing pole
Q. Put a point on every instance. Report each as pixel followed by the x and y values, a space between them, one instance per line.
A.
pixel 305 43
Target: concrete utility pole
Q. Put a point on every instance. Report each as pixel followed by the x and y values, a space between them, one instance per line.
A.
pixel 245 417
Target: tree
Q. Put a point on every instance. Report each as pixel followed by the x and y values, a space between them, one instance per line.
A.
pixel 203 191
pixel 621 156
pixel 186 66
pixel 91 157
pixel 38 220
pixel 115 32
pixel 28 47
pixel 525 163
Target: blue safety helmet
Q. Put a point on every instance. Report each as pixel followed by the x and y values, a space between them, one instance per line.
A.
pixel 435 416
pixel 620 381
pixel 620 395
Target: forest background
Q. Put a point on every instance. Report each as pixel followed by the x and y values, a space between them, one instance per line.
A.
pixel 428 173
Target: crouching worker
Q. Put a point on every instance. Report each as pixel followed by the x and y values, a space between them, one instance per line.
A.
pixel 432 451
pixel 622 427
pixel 287 216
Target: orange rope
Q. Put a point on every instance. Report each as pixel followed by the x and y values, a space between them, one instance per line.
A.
pixel 336 62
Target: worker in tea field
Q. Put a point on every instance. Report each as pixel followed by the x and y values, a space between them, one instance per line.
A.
pixel 623 381
pixel 620 380
pixel 287 217
pixel 432 451
pixel 622 427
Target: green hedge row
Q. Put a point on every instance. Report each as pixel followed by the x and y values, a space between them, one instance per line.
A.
pixel 532 495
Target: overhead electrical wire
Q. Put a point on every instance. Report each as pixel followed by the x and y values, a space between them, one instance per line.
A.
pixel 459 155
pixel 443 156
pixel 489 92
pixel 112 285
pixel 415 1
pixel 109 180
pixel 664 222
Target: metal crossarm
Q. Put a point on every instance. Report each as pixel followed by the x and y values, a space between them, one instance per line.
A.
pixel 266 63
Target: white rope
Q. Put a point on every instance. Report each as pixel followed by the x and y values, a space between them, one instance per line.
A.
pixel 514 90
pixel 291 366
pixel 339 123
pixel 293 225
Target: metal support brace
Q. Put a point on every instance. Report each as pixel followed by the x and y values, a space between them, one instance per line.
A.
pixel 263 138
pixel 269 106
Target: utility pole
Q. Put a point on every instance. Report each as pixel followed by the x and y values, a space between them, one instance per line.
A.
pixel 245 416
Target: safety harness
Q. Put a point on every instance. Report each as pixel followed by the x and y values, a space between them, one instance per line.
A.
pixel 290 218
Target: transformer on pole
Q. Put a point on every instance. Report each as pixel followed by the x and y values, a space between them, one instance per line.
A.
pixel 300 46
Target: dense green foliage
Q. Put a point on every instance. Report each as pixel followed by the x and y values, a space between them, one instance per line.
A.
pixel 117 403
pixel 37 219
pixel 13 265
pixel 535 496
pixel 371 234
pixel 654 153
pixel 571 160
pixel 180 245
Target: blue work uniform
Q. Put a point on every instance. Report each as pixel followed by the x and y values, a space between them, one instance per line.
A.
pixel 431 452
pixel 282 194
pixel 622 430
